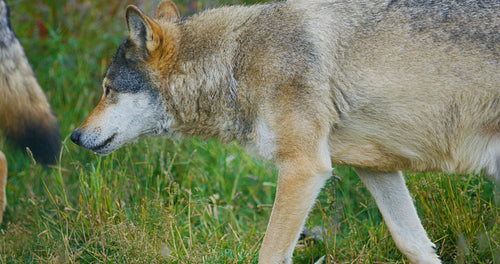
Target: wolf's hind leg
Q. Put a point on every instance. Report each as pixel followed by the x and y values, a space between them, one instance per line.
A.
pixel 3 183
pixel 400 215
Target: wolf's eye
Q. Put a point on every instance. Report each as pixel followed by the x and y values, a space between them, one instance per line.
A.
pixel 107 90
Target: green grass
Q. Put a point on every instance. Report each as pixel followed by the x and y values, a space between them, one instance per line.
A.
pixel 161 201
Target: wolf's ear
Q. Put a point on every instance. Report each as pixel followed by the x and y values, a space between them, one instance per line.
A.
pixel 167 10
pixel 142 30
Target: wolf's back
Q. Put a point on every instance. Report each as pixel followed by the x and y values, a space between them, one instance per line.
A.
pixel 25 114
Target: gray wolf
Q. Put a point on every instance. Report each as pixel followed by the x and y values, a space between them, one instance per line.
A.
pixel 382 86
pixel 25 114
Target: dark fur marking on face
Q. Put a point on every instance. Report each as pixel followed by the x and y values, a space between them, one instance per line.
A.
pixel 128 75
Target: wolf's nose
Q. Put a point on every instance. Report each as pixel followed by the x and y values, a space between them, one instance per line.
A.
pixel 75 136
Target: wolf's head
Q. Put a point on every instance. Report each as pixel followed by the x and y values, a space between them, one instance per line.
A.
pixel 131 106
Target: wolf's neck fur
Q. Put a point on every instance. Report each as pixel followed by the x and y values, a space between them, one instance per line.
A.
pixel 205 93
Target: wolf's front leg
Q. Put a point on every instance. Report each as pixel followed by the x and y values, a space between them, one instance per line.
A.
pixel 400 215
pixel 300 181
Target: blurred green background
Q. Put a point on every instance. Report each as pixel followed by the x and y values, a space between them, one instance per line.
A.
pixel 164 201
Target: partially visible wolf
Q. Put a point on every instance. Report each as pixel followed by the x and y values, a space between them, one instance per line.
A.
pixel 25 115
pixel 382 86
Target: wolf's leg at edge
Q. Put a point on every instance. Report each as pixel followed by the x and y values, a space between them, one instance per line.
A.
pixel 299 183
pixel 396 205
pixel 3 183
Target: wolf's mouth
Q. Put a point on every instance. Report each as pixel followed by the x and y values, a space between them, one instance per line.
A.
pixel 104 144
